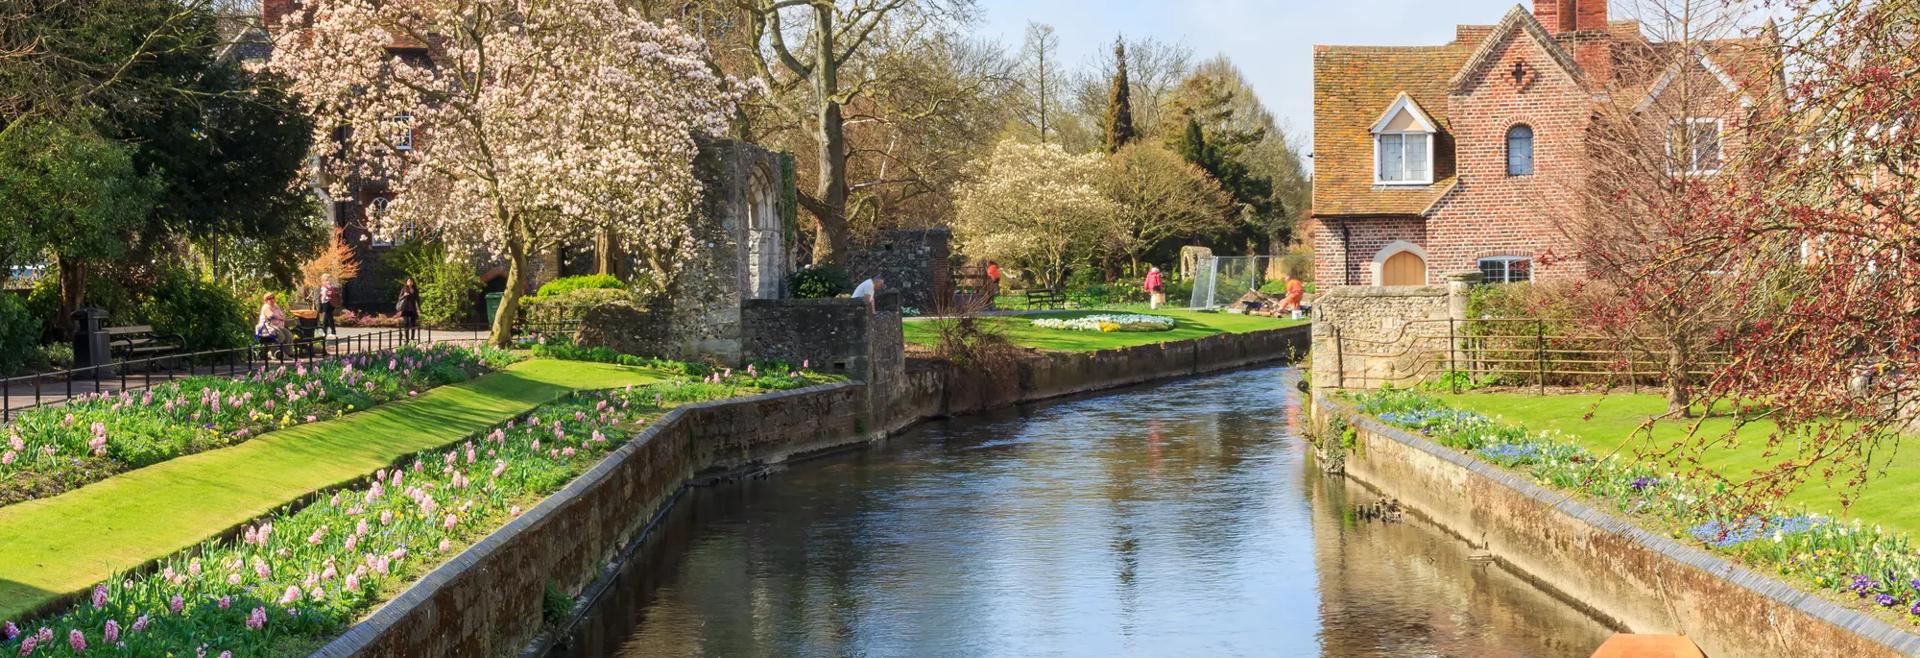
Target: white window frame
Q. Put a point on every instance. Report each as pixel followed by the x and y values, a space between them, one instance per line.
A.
pixel 1685 165
pixel 1404 103
pixel 403 139
pixel 1506 266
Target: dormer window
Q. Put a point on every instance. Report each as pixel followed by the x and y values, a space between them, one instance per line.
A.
pixel 1403 145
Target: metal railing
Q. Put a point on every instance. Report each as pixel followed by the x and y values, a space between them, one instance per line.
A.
pixel 55 387
pixel 1505 351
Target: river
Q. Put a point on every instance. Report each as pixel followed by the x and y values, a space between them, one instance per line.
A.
pixel 1180 519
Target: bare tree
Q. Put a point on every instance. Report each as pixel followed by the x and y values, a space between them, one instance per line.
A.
pixel 1042 88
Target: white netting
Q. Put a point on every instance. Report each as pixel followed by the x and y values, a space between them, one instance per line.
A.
pixel 1222 280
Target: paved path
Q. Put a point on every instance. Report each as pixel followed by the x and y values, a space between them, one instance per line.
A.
pixel 56 546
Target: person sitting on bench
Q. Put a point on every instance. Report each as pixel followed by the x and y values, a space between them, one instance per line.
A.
pixel 272 325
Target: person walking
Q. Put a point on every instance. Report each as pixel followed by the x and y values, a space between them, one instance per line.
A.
pixel 271 326
pixel 409 308
pixel 324 301
pixel 993 280
pixel 1156 289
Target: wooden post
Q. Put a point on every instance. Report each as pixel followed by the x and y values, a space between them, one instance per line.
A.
pixel 1540 333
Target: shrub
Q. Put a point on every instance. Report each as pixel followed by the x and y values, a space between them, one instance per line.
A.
pixel 569 284
pixel 570 306
pixel 820 282
pixel 19 333
pixel 205 315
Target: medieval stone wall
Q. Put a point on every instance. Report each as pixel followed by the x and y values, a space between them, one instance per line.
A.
pixel 1364 337
pixel 913 262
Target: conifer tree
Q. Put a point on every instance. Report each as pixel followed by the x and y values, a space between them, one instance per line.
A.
pixel 1119 102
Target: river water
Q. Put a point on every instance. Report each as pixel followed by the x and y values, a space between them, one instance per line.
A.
pixel 1181 519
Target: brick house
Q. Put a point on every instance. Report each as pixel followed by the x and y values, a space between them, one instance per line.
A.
pixel 1469 156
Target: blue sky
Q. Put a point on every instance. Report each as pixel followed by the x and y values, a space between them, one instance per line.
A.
pixel 1270 40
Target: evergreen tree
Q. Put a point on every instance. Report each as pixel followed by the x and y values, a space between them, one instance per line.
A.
pixel 1119 102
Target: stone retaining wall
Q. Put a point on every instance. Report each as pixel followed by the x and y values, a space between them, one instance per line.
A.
pixel 487 600
pixel 1642 581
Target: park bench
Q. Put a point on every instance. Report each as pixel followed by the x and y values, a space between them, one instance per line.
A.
pixel 304 325
pixel 142 342
pixel 1049 298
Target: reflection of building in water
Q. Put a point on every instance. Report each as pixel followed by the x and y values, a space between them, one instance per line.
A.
pixel 1409 589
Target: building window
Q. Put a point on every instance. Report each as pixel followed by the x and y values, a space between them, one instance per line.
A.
pixel 1695 146
pixel 1506 269
pixel 1403 145
pixel 382 231
pixel 1520 150
pixel 403 134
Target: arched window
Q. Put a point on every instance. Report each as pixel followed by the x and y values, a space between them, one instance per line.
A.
pixel 1520 150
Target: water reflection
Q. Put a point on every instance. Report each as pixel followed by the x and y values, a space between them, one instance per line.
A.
pixel 1179 520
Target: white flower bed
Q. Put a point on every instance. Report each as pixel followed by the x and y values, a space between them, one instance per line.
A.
pixel 1107 323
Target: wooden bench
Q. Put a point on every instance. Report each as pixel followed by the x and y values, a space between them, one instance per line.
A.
pixel 1049 298
pixel 141 342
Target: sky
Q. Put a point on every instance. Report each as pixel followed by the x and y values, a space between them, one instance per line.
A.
pixel 1270 40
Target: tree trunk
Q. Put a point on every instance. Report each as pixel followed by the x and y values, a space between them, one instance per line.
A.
pixel 73 286
pixel 1679 389
pixel 517 275
pixel 831 214
pixel 603 252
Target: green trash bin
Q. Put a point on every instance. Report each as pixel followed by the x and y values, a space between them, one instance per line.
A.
pixel 493 307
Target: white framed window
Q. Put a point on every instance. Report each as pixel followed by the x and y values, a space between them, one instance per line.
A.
pixel 1694 146
pixel 382 231
pixel 1506 269
pixel 403 132
pixel 1520 150
pixel 1403 145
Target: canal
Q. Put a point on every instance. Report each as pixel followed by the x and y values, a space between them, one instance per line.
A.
pixel 1181 519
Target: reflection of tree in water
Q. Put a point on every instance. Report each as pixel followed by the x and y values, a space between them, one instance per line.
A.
pixel 1408 589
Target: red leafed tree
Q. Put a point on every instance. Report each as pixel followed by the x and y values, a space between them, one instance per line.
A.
pixel 1819 222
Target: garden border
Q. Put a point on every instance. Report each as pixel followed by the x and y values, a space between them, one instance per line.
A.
pixel 1600 560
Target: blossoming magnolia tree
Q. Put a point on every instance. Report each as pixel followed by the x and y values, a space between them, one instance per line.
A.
pixel 1035 205
pixel 539 121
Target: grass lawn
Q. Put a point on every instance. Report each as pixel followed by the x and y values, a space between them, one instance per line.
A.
pixel 65 544
pixel 1191 325
pixel 1887 499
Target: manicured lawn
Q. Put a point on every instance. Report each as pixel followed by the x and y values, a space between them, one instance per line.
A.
pixel 65 544
pixel 1887 499
pixel 1191 325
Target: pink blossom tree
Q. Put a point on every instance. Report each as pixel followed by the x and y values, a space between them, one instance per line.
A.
pixel 513 126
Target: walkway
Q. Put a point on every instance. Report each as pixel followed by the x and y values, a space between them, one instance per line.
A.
pixel 66 544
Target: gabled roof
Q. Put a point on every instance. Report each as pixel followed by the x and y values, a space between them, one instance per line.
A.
pixel 1405 103
pixel 1517 21
pixel 1353 88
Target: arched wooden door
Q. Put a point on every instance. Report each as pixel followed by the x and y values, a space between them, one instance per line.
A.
pixel 1404 269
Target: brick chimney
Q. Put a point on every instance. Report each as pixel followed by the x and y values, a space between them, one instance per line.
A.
pixel 1571 15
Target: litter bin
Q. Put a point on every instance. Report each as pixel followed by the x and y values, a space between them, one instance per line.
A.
pixel 493 306
pixel 90 346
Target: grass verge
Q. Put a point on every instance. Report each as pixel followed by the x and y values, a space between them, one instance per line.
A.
pixel 1020 330
pixel 53 547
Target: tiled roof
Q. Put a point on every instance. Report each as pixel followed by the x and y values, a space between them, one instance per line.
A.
pixel 1352 85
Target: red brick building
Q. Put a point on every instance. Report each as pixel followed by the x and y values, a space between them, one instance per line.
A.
pixel 1469 156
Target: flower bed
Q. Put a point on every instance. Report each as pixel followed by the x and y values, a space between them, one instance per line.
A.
pixel 1107 323
pixel 1871 565
pixel 764 375
pixel 301 576
pixel 48 450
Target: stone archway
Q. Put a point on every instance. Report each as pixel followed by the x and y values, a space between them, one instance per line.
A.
pixel 766 238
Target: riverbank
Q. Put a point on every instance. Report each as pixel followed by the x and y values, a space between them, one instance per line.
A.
pixel 1645 582
pixel 493 598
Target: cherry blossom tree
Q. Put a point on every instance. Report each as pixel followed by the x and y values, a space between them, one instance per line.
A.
pixel 1036 206
pixel 513 126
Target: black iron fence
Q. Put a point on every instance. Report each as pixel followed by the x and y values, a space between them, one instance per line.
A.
pixel 1511 352
pixel 18 394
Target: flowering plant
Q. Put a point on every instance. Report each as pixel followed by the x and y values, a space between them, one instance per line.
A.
pixel 300 575
pixel 1107 323
pixel 1870 565
pixel 51 449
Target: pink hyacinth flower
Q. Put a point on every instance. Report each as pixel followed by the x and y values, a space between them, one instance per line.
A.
pixel 77 640
pixel 292 595
pixel 140 625
pixel 176 604
pixel 226 602
pixel 452 521
pixel 28 645
pixel 257 619
pixel 112 632
pixel 99 596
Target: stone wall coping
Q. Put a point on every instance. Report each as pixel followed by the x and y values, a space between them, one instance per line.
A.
pixel 358 637
pixel 1567 503
pixel 1383 291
